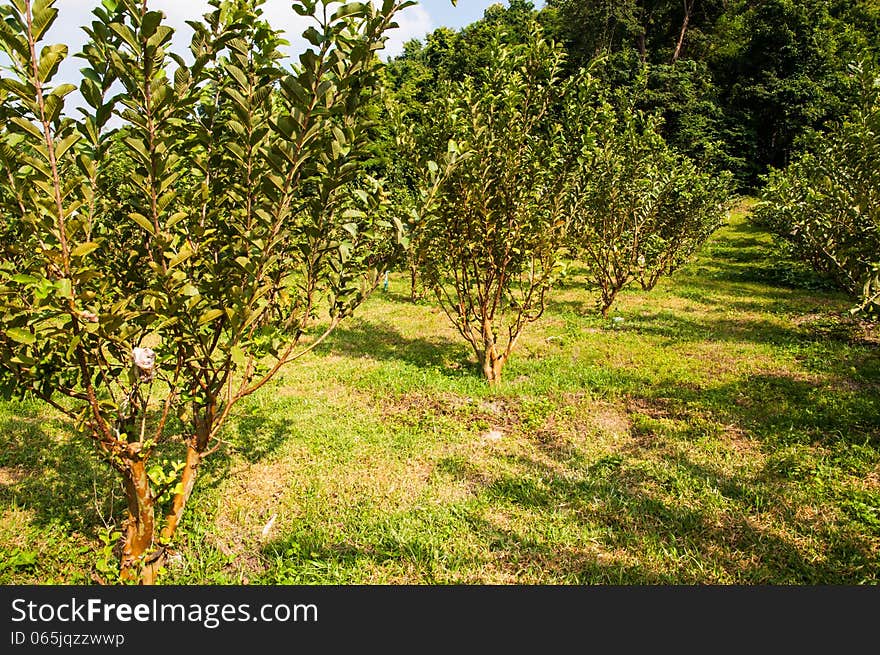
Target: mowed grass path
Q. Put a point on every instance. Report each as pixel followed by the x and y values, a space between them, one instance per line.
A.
pixel 725 431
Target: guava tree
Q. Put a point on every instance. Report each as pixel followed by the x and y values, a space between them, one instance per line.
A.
pixel 639 209
pixel 145 307
pixel 826 205
pixel 491 202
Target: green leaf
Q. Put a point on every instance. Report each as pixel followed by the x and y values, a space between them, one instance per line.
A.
pixel 62 147
pixel 139 147
pixel 63 90
pixel 238 356
pixel 27 280
pixel 175 219
pixel 149 23
pixel 185 253
pixel 189 290
pixel 43 18
pixel 210 316
pixel 85 249
pixel 238 74
pixel 126 34
pixel 143 221
pixel 64 287
pixel 350 9
pixel 27 126
pixel 21 335
pixel 50 59
pixel 313 36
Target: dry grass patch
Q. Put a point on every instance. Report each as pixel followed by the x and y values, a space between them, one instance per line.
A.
pixel 11 475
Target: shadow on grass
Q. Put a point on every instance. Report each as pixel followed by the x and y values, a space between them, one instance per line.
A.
pixel 648 531
pixel 742 253
pixel 256 436
pixel 736 260
pixel 637 535
pixel 780 410
pixel 59 476
pixel 648 513
pixel 678 327
pixel 359 338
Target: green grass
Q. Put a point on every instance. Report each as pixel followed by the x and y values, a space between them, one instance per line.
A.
pixel 726 431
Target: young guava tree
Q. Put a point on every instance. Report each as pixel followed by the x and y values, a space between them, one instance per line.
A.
pixel 639 209
pixel 825 207
pixel 492 202
pixel 145 307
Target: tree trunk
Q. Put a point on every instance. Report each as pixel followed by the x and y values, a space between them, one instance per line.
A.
pixel 196 446
pixel 140 524
pixel 643 50
pixel 607 302
pixel 415 294
pixel 493 363
pixel 688 7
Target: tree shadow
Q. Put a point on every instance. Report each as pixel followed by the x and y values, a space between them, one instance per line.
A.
pixel 781 410
pixel 404 297
pixel 654 514
pixel 735 257
pixel 741 254
pixel 676 327
pixel 60 475
pixel 255 435
pixel 56 473
pixel 635 511
pixel 364 339
pixel 618 505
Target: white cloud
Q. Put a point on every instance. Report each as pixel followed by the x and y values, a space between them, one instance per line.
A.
pixel 414 23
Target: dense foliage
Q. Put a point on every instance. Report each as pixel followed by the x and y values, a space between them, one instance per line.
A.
pixel 206 220
pixel 826 204
pixel 739 84
pixel 639 210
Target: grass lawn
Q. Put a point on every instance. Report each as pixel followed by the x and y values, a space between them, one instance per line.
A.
pixel 725 431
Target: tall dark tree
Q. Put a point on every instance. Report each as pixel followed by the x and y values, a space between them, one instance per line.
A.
pixel 781 65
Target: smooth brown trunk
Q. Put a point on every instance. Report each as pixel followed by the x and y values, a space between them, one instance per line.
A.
pixel 606 305
pixel 493 363
pixel 204 421
pixel 195 447
pixel 414 294
pixel 140 525
pixel 607 301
